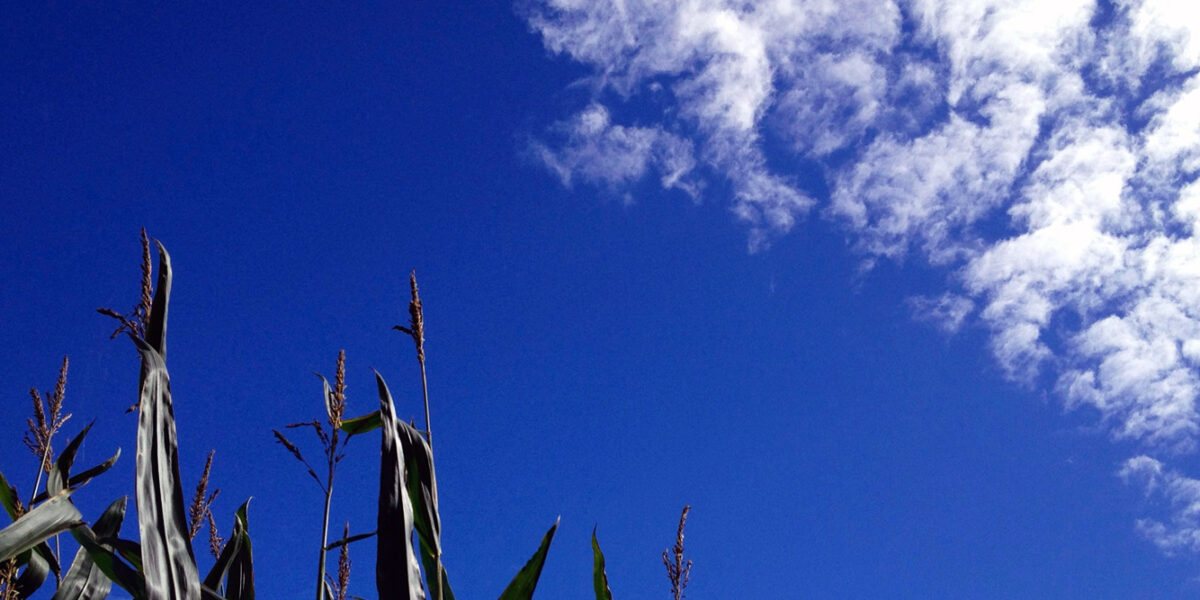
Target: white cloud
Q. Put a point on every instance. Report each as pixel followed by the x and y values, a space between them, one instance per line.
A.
pixel 1179 496
pixel 595 150
pixel 1044 154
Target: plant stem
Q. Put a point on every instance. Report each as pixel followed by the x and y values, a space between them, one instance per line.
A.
pixel 324 541
pixel 425 391
pixel 330 453
pixel 429 438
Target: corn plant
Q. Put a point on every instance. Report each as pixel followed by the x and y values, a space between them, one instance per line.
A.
pixel 161 564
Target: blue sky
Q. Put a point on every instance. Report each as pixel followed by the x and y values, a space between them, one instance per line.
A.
pixel 901 298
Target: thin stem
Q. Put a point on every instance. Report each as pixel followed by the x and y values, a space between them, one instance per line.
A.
pixel 37 484
pixel 425 392
pixel 324 539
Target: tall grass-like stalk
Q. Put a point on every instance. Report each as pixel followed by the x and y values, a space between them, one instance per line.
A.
pixel 416 330
pixel 333 446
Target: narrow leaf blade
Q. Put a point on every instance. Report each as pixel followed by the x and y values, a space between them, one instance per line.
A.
pixel 84 579
pixel 60 474
pixel 363 424
pixel 239 585
pixel 599 577
pixel 397 573
pixel 522 586
pixel 53 516
pixel 167 558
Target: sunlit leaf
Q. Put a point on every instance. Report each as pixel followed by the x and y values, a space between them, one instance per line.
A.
pixel 84 579
pixel 168 562
pixel 53 516
pixel 397 573
pixel 363 424
pixel 239 585
pixel 114 568
pixel 599 577
pixel 60 473
pixel 522 586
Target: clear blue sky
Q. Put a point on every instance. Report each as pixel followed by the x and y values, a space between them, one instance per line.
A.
pixel 901 299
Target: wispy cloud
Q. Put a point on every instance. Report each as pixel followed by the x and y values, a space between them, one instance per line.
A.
pixel 1045 154
pixel 1176 495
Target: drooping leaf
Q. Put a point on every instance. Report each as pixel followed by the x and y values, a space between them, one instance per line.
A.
pixel 421 484
pixel 34 575
pixel 363 424
pixel 239 585
pixel 53 516
pixel 397 573
pixel 83 477
pixel 522 586
pixel 84 579
pixel 60 473
pixel 114 568
pixel 168 562
pixel 599 577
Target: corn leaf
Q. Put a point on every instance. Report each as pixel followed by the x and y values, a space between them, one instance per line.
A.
pixel 220 568
pixel 421 485
pixel 522 586
pixel 363 424
pixel 129 550
pixel 156 326
pixel 34 575
pixel 239 585
pixel 8 498
pixel 397 573
pixel 599 577
pixel 168 562
pixel 113 567
pixel 84 579
pixel 81 478
pixel 60 473
pixel 53 516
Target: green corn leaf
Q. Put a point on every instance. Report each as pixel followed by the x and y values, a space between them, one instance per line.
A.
pixel 53 516
pixel 239 585
pixel 363 424
pixel 431 566
pixel 397 573
pixel 60 473
pixel 167 558
pixel 130 580
pixel 129 550
pixel 220 568
pixel 156 326
pixel 169 565
pixel 84 579
pixel 522 586
pixel 81 478
pixel 34 575
pixel 421 485
pixel 599 577
pixel 8 498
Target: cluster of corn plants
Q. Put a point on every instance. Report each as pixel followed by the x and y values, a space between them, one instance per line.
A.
pixel 161 564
